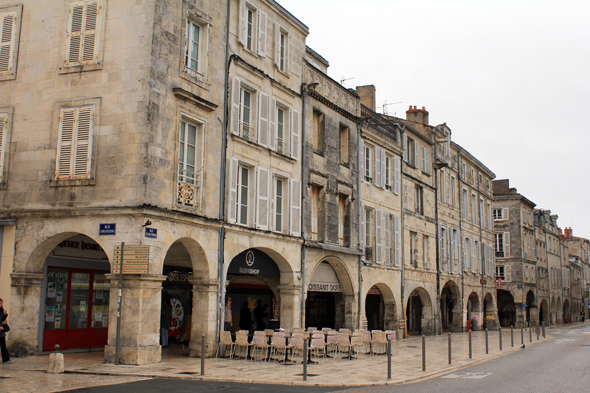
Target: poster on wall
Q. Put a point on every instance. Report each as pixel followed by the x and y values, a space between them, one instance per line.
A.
pixel 60 283
pixel 99 294
pixel 49 315
pixel 58 322
pixel 58 309
pixel 83 306
pixel 51 289
pixel 59 296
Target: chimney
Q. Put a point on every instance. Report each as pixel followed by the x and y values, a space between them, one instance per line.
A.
pixel 367 94
pixel 417 115
pixel 568 232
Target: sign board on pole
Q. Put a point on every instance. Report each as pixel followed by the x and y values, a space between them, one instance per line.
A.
pixel 135 259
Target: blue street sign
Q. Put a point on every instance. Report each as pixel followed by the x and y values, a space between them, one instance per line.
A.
pixel 519 286
pixel 107 229
pixel 523 306
pixel 151 233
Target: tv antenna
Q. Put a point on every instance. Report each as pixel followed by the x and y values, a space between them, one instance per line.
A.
pixel 343 79
pixel 385 104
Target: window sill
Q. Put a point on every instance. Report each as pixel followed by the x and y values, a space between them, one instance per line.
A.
pixel 240 139
pixel 72 182
pixel 283 72
pixel 345 164
pixel 194 77
pixel 318 152
pixel 80 68
pixel 281 155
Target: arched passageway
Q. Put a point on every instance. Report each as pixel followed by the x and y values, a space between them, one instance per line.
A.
pixel 450 307
pixel 566 312
pixel 419 312
pixel 473 311
pixel 544 313
pixel 506 308
pixel 380 308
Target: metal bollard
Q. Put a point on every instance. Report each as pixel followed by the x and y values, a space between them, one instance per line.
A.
pixel 470 346
pixel 203 354
pixel 531 334
pixel 521 334
pixel 388 358
pixel 512 335
pixel 487 343
pixel 423 353
pixel 305 346
pixel 543 323
pixel 500 335
pixel 449 347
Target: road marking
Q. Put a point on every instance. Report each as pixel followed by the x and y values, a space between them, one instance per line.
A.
pixel 467 375
pixel 562 340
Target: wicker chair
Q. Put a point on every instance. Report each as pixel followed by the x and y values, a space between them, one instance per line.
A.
pixel 278 347
pixel 225 340
pixel 242 344
pixel 331 344
pixel 296 345
pixel 356 343
pixel 344 344
pixel 260 347
pixel 367 341
pixel 379 342
pixel 317 347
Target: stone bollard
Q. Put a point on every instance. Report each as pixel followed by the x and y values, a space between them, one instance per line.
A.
pixel 56 362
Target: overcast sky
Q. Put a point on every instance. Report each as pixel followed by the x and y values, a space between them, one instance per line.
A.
pixel 510 78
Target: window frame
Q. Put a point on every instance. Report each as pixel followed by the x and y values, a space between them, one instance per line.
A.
pixel 367 176
pixel 5 138
pixel 12 63
pixel 419 199
pixel 189 194
pixel 344 139
pixel 319 126
pixel 203 47
pixel 242 167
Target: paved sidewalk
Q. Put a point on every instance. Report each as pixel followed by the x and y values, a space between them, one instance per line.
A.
pixel 88 368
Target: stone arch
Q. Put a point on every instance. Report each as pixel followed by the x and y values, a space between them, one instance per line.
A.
pixel 194 251
pixel 544 314
pixel 474 314
pixel 530 310
pixel 388 312
pixel 566 311
pixel 450 307
pixel 558 311
pixel 287 276
pixel 489 307
pixel 506 308
pixel 419 312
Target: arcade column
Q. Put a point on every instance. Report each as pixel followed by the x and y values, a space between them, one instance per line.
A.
pixel 204 316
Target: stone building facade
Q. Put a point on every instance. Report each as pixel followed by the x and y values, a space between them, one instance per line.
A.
pixel 579 255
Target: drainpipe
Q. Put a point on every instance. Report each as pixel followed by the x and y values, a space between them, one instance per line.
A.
pixel 536 272
pixel 459 188
pixel 303 192
pixel 482 254
pixel 436 172
pixel 221 241
pixel 402 130
pixel 358 183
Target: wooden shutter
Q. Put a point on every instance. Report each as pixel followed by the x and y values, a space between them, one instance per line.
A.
pixel 242 23
pixel 271 205
pixel 362 220
pixel 397 239
pixel 65 144
pixel 387 233
pixel 295 218
pixel 507 273
pixel 235 107
pixel 288 54
pixel 74 143
pixel 3 127
pixel 262 23
pixel 362 159
pixel 405 143
pixel 263 132
pixel 233 191
pixel 505 213
pixel 452 251
pixel 377 162
pixel 263 199
pixel 506 243
pixel 273 124
pixel 384 170
pixel 82 33
pixel 396 175
pixel 278 45
pixel 83 139
pixel 294 115
pixel 7 34
pixel 416 155
pixel 378 236
pixel 442 246
pixel 465 253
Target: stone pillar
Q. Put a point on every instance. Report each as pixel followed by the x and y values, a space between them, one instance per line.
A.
pixel 204 316
pixel 140 319
pixel 553 320
pixel 520 316
pixel 25 312
pixel 289 306
pixel 350 311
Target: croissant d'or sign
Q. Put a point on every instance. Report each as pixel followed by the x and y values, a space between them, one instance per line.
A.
pixel 135 259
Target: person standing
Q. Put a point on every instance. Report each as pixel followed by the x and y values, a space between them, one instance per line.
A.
pixel 245 317
pixel 165 321
pixel 227 322
pixel 259 314
pixel 3 315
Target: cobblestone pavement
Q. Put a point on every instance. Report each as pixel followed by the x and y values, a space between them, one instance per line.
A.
pixel 88 368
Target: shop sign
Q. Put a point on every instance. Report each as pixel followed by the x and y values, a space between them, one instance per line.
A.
pixel 152 233
pixel 317 287
pixel 107 229
pixel 324 279
pixel 79 246
pixel 489 316
pixel 254 263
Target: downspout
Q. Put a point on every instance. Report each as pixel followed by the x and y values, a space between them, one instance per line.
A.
pixel 358 165
pixel 221 240
pixel 481 253
pixel 402 129
pixel 459 188
pixel 303 192
pixel 437 240
pixel 536 272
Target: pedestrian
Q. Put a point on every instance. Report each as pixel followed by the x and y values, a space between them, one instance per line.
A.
pixel 227 322
pixel 3 316
pixel 245 317
pixel 165 321
pixel 259 314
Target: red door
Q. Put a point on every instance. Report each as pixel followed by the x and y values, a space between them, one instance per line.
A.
pixel 76 309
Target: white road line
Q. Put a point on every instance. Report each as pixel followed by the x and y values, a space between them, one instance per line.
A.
pixel 467 375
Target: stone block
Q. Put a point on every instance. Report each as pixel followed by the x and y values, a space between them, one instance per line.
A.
pixel 56 363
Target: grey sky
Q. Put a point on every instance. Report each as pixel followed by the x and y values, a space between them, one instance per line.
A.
pixel 510 78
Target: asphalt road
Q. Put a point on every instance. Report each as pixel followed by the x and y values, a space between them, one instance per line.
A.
pixel 556 366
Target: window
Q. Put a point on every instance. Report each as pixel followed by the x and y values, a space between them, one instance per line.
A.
pixel 243 194
pixel 279 205
pixel 5 131
pixel 246 129
pixel 281 48
pixel 368 233
pixel 344 134
pixel 502 244
pixel 318 131
pixel 453 193
pixel 388 172
pixel 252 28
pixel 444 249
pixel 316 212
pixel 472 176
pixel 343 220
pixel 189 166
pixel 465 212
pixel 426 160
pixel 195 60
pixel 282 130
pixel 441 186
pixel 411 152
pixel 418 200
pixel 500 214
pixel 74 147
pixel 10 18
pixel 500 273
pixel 426 250
pixel 413 249
pixel 82 33
pixel 481 213
pixel 473 208
pixel 368 163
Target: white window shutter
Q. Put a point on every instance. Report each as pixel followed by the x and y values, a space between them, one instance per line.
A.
pixel 405 143
pixel 362 160
pixel 465 254
pixel 263 132
pixel 288 56
pixel 7 34
pixel 397 239
pixel 396 175
pixel 65 143
pixel 506 240
pixel 89 51
pixel 295 145
pixel 416 155
pixel 362 220
pixel 82 33
pixel 452 251
pixel 505 213
pixel 242 23
pixel 377 162
pixel 383 170
pixel 387 235
pixel 277 44
pixel 235 107
pixel 271 206
pixel 262 23
pixel 507 273
pixel 295 218
pixel 75 33
pixel 233 191
pixel 3 127
pixel 82 158
pixel 378 236
pixel 273 124
pixel 263 199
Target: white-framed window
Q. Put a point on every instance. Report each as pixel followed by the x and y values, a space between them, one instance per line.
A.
pixel 368 163
pixel 501 214
pixel 196 40
pixel 244 190
pixel 388 230
pixel 10 21
pixel 369 234
pixel 83 33
pixel 280 204
pixel 444 249
pixel 465 210
pixel 247 130
pixel 252 29
pixel 282 129
pixel 388 170
pixel 282 50
pixel 243 122
pixel 190 152
pixel 419 200
pixel 411 151
pixel 502 244
pixel 74 146
pixel 425 160
pixel 481 213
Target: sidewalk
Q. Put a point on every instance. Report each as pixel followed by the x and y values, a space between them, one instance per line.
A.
pixel 365 370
